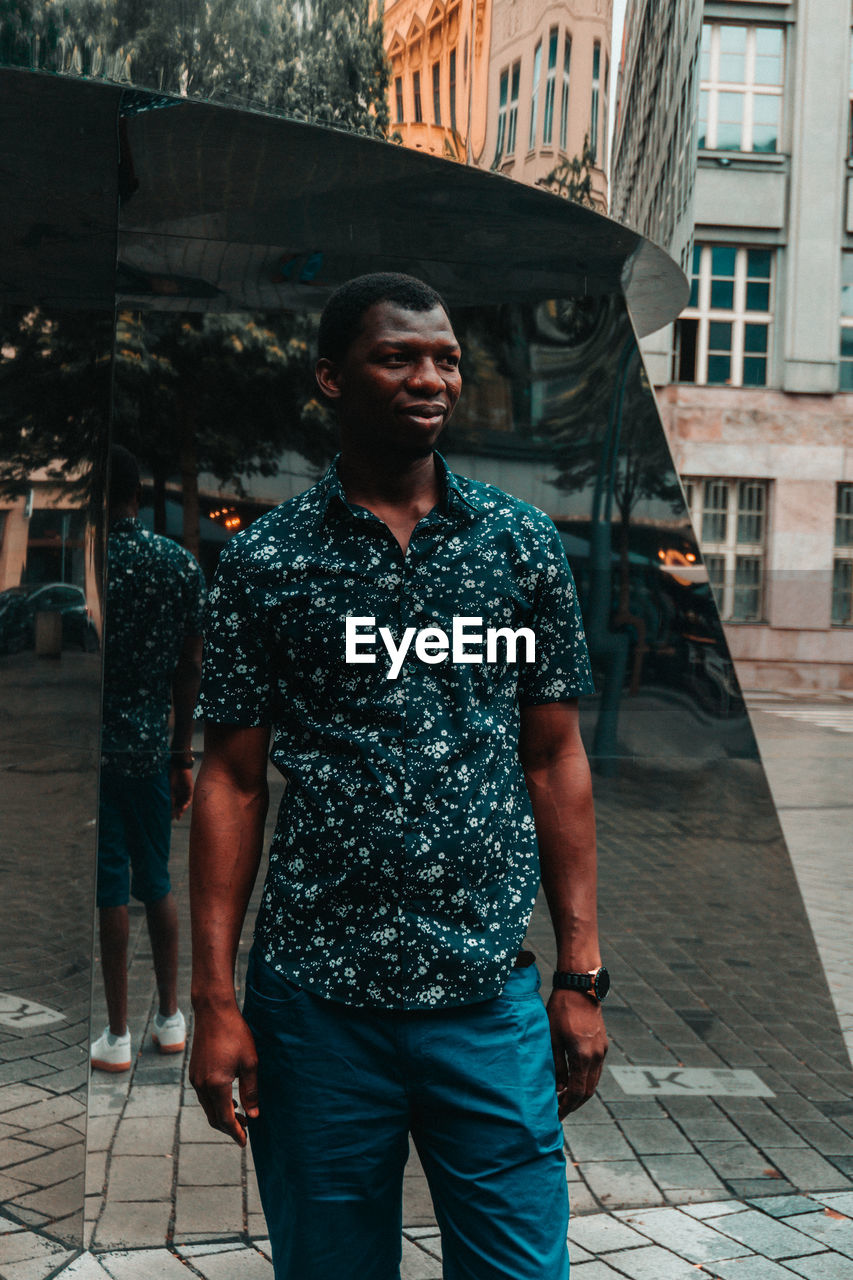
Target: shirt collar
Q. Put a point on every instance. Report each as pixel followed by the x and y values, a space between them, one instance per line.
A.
pixel 454 501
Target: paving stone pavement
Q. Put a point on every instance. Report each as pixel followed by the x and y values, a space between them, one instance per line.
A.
pixel 662 1186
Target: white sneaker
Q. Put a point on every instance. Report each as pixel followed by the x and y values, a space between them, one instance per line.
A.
pixel 109 1052
pixel 170 1034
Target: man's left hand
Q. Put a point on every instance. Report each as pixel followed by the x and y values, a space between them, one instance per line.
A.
pixel 579 1043
pixel 181 787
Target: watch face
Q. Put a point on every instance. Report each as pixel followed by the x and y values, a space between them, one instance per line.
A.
pixel 601 983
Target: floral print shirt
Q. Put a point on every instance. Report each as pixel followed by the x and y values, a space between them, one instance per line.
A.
pixel 155 598
pixel 404 865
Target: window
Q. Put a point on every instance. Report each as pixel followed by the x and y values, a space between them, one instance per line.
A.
pixel 534 96
pixel 512 118
pixel 593 112
pixel 564 99
pixel 730 517
pixel 550 88
pixel 436 92
pixel 416 90
pixel 453 89
pixel 723 335
pixel 842 567
pixel 503 89
pixel 398 98
pixel 740 100
pixel 845 369
pixel 604 131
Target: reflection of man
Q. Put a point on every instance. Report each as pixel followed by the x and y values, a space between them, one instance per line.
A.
pixel 386 994
pixel 152 652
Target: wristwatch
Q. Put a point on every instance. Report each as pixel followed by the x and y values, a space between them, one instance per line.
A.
pixel 595 984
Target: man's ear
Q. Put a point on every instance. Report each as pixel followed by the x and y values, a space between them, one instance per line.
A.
pixel 328 377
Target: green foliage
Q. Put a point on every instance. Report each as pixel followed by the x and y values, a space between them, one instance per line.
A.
pixel 320 60
pixel 573 178
pixel 54 396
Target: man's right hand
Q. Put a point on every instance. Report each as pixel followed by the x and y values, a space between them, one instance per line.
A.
pixel 224 1050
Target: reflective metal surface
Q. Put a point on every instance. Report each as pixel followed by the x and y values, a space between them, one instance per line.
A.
pixel 55 375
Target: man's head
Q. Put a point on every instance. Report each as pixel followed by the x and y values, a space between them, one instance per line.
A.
pixel 124 482
pixel 389 362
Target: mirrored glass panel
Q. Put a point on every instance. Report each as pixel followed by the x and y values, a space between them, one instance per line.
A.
pixel 56 336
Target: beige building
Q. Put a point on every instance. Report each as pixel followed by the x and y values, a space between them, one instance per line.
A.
pixel 549 87
pixel 439 74
pixel 512 85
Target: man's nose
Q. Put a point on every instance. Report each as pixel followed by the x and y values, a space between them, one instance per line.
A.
pixel 426 375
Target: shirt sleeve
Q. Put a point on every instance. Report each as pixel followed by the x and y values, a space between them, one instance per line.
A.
pixel 195 594
pixel 561 668
pixel 237 680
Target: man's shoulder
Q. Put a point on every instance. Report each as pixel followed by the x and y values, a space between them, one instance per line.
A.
pixel 499 505
pixel 282 525
pixel 169 552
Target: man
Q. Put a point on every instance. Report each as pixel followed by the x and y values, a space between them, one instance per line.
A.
pixel 411 638
pixel 152 662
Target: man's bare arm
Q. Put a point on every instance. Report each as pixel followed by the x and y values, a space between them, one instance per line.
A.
pixel 558 780
pixel 226 842
pixel 185 683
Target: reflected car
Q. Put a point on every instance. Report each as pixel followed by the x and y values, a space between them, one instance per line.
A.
pixel 78 629
pixel 16 623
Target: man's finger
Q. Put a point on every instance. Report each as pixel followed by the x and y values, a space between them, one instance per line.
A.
pixel 218 1105
pixel 249 1091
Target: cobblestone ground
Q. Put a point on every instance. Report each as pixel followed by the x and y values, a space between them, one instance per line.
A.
pixel 715 969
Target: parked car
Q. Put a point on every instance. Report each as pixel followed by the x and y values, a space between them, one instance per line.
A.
pixel 16 623
pixel 62 597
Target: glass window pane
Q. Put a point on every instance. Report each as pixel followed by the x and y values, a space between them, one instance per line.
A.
pixel 755 337
pixel 723 260
pixel 757 296
pixel 845 375
pixel 844 516
pixel 842 592
pixel 847 342
pixel 719 369
pixel 758 264
pixel 747 592
pixel 729 118
pixel 847 284
pixel 702 129
pixel 723 294
pixel 765 129
pixel 694 293
pixel 750 518
pixel 732 68
pixel 716 566
pixel 705 70
pixel 768 55
pixel 754 371
pixel 720 335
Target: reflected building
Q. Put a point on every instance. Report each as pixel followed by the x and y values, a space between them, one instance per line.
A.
pixel 755 380
pixel 518 87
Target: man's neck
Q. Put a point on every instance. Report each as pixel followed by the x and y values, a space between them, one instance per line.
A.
pixel 405 483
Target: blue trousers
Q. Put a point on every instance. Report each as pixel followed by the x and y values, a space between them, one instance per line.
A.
pixel 341 1089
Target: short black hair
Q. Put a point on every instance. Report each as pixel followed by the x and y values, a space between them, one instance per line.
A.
pixel 124 475
pixel 342 314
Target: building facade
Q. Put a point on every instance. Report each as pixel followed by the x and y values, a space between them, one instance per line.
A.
pixel 755 379
pixel 512 85
pixel 438 53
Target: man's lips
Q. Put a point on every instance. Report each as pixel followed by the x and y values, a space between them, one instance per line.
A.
pixel 423 412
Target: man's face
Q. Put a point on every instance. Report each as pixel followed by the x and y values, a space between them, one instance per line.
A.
pixel 397 385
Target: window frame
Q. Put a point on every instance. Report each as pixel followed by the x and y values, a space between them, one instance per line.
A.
pixel 565 91
pixel 738 316
pixel 594 101
pixel 842 560
pixel 534 95
pixel 729 550
pixel 550 87
pixel 711 87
